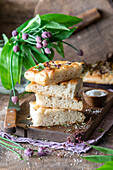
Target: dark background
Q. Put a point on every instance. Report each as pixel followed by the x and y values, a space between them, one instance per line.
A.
pixel 95 40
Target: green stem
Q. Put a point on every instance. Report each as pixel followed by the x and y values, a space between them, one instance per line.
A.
pixel 20 147
pixel 35 150
pixel 11 145
pixel 39 30
pixel 12 75
pixel 21 95
pixel 69 45
pixel 32 36
pixel 20 157
pixel 10 141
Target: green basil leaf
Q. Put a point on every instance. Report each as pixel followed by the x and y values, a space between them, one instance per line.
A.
pixel 54 25
pixel 21 27
pixel 42 51
pixel 106 166
pixel 40 58
pixel 5 38
pixel 5 65
pixel 26 62
pixel 59 48
pixel 36 21
pixel 99 158
pixel 27 50
pixel 62 35
pixel 66 20
pixel 102 149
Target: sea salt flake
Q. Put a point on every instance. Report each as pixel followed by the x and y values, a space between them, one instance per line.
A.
pixel 95 92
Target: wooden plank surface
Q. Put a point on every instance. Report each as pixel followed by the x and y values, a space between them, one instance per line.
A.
pixel 95 40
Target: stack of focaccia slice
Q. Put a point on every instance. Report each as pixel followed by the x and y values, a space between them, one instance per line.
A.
pixel 56 85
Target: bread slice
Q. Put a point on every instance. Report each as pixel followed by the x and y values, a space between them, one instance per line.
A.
pixel 42 116
pixel 67 89
pixel 59 102
pixel 54 72
pixel 98 78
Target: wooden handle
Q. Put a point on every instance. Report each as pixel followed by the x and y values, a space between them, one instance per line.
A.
pixel 10 121
pixel 88 17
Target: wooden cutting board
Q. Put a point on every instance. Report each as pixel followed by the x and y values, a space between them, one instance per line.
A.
pixel 99 86
pixel 94 117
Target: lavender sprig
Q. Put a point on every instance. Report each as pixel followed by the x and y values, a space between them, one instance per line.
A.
pixel 29 152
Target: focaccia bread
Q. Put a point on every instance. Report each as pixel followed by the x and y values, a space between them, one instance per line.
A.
pixel 67 89
pixel 59 102
pixel 98 78
pixel 54 72
pixel 49 117
pixel 100 72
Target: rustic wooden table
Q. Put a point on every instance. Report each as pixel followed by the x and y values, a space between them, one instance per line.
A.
pixel 66 160
pixel 96 41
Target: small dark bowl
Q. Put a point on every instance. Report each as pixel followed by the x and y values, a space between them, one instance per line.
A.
pixel 95 101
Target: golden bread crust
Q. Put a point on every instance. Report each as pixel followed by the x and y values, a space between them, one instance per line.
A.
pixel 98 78
pixel 54 72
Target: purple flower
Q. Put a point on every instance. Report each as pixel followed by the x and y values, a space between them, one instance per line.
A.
pixel 47 51
pixel 14 33
pixel 45 43
pixel 39 45
pixel 46 34
pixel 16 48
pixel 25 36
pixel 49 35
pixel 28 152
pixel 38 39
pixel 42 151
pixel 14 99
pixel 80 53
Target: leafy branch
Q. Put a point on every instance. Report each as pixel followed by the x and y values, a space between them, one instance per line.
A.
pixel 34 40
pixel 107 159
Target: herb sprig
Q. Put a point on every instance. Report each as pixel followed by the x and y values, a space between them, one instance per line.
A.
pixel 34 40
pixel 29 152
pixel 107 159
pixel 40 67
